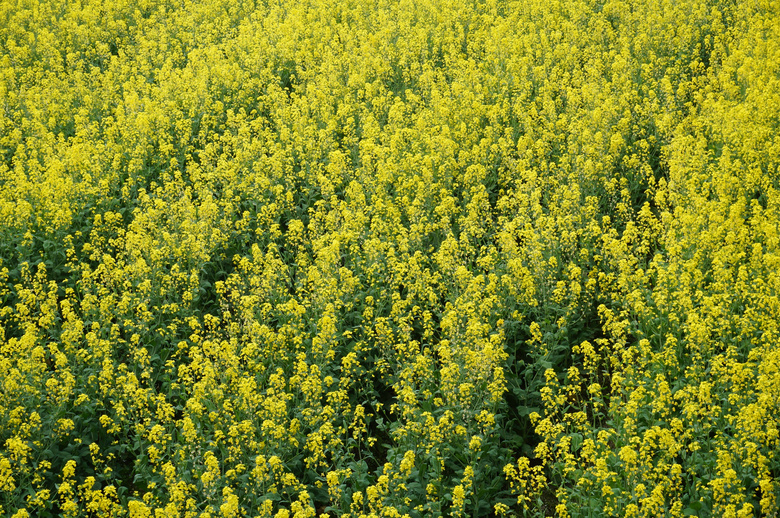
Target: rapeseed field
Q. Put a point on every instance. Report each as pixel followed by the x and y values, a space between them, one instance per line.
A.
pixel 389 258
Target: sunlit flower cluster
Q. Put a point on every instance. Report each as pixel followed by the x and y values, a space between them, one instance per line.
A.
pixel 389 258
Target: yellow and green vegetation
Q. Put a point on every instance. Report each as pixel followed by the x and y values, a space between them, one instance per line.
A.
pixel 389 258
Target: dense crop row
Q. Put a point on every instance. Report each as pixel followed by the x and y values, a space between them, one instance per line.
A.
pixel 389 258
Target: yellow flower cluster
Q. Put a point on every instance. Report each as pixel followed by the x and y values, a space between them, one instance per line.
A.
pixel 389 258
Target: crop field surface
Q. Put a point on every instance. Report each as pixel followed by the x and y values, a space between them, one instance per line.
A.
pixel 389 258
